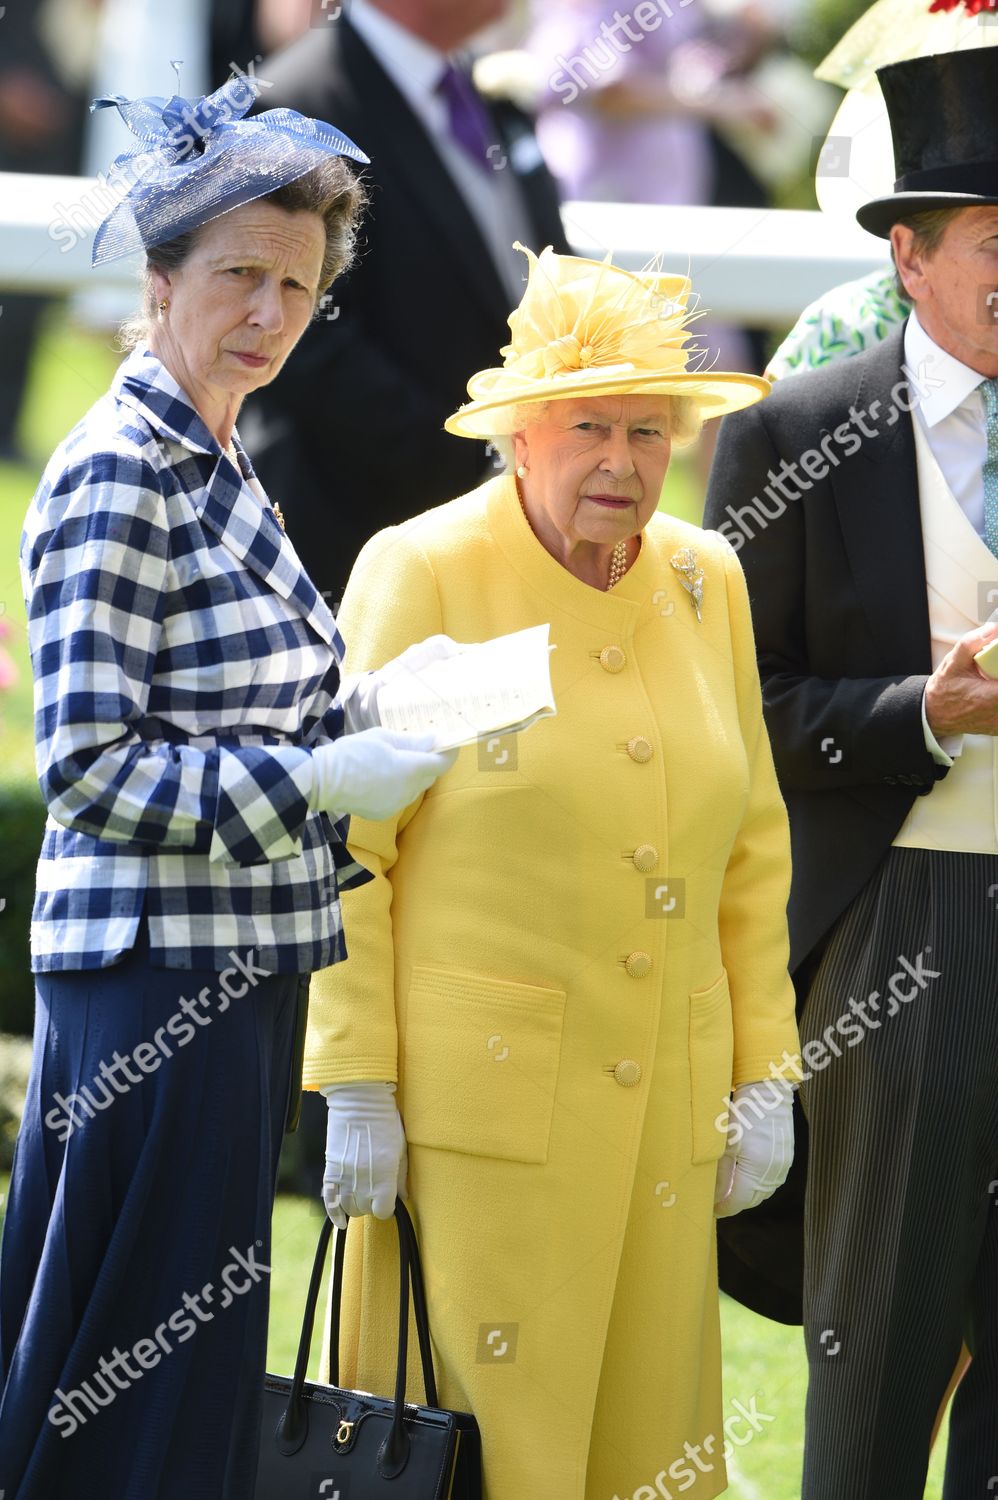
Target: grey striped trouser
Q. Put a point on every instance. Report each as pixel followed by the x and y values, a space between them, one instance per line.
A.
pixel 901 1221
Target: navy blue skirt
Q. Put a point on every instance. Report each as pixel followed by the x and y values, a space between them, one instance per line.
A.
pixel 134 1283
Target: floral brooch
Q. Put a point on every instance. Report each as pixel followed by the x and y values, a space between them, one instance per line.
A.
pixel 690 576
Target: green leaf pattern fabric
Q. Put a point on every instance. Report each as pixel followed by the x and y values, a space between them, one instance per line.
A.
pixel 844 321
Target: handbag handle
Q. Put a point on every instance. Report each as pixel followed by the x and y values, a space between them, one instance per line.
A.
pixel 415 1274
pixel 395 1449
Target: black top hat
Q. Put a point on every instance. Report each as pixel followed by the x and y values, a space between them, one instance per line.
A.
pixel 944 121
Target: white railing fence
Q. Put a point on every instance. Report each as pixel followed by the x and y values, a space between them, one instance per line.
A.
pixel 758 267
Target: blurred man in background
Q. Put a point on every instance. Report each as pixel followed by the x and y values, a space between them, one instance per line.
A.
pixel 354 440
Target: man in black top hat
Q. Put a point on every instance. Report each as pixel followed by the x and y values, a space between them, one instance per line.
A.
pixel 863 502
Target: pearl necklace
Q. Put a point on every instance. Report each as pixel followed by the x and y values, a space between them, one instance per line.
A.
pixel 618 558
pixel 618 564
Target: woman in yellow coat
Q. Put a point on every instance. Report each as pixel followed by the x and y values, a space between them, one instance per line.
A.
pixel 574 947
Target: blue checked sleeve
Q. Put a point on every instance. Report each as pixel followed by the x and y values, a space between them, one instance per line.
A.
pixel 95 560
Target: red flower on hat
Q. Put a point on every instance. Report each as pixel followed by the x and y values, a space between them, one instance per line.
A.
pixel 973 7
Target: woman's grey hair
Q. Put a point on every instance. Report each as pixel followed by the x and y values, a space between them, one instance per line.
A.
pixel 685 421
pixel 331 190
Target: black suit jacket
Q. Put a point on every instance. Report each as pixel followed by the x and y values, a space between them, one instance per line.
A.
pixel 839 606
pixel 232 38
pixel 836 579
pixel 350 438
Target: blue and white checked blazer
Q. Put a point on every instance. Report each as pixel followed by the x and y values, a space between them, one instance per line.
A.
pixel 182 662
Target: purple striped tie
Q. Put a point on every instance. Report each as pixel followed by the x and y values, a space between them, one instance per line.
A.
pixel 470 124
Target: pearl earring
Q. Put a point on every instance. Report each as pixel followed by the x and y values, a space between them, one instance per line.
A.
pixel 521 472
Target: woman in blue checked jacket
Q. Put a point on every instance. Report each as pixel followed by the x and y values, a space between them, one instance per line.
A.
pixel 199 754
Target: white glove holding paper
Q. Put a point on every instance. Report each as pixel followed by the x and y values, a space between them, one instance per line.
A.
pixel 358 695
pixel 374 773
pixel 760 1146
pixel 366 1158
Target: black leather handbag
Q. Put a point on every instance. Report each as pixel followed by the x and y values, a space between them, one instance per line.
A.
pixel 320 1442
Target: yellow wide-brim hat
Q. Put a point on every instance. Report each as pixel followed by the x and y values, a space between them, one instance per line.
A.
pixel 589 328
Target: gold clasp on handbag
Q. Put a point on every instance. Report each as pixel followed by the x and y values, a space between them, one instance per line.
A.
pixel 343 1432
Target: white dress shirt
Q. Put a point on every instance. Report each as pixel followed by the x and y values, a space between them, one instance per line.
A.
pixel 952 418
pixel 950 415
pixel 493 198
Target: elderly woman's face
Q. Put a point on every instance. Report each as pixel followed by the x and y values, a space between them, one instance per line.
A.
pixel 596 466
pixel 241 300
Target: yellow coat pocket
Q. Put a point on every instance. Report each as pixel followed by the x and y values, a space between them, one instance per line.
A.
pixel 479 1064
pixel 711 1056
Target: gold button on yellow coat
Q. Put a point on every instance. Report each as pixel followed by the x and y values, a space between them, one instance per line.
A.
pixel 546 1096
pixel 612 659
pixel 645 857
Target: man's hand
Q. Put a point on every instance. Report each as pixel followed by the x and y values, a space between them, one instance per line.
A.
pixel 959 699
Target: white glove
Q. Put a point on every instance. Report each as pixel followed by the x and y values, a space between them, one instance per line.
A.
pixel 358 695
pixel 374 773
pixel 366 1159
pixel 760 1146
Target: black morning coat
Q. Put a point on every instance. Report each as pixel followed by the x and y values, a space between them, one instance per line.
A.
pixel 837 584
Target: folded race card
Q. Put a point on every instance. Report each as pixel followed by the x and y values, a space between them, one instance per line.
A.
pixel 498 687
pixel 987 659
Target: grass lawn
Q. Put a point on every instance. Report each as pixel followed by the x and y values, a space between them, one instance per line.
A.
pixel 761 1359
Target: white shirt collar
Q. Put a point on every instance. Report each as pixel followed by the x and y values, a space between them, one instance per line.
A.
pixel 413 65
pixel 925 358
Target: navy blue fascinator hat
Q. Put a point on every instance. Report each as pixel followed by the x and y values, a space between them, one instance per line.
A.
pixel 197 159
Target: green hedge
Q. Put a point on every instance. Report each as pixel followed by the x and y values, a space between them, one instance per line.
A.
pixel 15 1064
pixel 822 23
pixel 22 818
